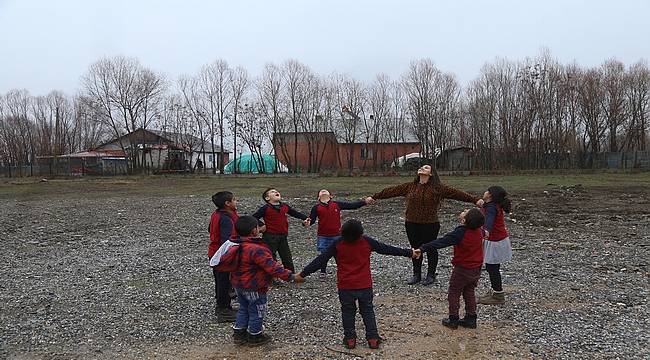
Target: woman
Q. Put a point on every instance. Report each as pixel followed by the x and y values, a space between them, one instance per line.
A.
pixel 423 198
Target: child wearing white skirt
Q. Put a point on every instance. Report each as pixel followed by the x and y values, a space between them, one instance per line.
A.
pixel 496 246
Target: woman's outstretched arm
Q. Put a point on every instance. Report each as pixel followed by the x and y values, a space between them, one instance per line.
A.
pixel 393 191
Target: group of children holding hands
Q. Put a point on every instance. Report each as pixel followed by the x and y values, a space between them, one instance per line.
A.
pixel 244 261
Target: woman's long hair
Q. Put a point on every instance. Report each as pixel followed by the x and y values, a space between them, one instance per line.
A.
pixel 500 196
pixel 434 179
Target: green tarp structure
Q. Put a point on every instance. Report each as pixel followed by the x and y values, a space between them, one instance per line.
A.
pixel 250 164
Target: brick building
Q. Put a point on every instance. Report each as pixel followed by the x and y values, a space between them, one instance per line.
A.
pixel 318 151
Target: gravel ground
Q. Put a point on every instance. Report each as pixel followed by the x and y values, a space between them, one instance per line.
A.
pixel 127 277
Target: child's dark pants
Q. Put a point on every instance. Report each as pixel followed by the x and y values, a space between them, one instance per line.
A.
pixel 495 276
pixel 463 281
pixel 222 288
pixel 349 300
pixel 280 244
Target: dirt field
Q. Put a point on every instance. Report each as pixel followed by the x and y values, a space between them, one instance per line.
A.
pixel 116 268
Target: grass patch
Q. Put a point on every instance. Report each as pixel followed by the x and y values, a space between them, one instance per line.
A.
pixel 290 186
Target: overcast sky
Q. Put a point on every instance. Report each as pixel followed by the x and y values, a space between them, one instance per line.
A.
pixel 46 45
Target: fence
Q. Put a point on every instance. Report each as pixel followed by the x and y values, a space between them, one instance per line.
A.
pixel 67 167
pixel 490 161
pixel 624 161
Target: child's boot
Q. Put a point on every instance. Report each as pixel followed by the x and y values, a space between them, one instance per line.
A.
pixel 451 322
pixel 350 343
pixel 469 321
pixel 239 336
pixel 258 339
pixel 225 315
pixel 492 298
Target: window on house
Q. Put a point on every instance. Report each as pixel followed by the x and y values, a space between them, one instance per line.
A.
pixel 366 153
pixel 210 158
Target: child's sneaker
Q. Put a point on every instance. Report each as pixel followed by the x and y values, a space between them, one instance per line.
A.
pixel 259 339
pixel 240 336
pixel 322 276
pixel 469 321
pixel 451 322
pixel 350 343
pixel 374 343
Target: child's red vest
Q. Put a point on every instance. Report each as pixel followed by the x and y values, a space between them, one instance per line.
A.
pixel 329 219
pixel 215 229
pixel 353 261
pixel 468 253
pixel 495 222
pixel 276 219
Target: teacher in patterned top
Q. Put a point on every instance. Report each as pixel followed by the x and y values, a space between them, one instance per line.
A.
pixel 423 197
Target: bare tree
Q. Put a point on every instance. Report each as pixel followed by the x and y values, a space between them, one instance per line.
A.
pixel 20 127
pixel 125 92
pixel 350 101
pixel 297 78
pixel 193 103
pixel 317 96
pixel 377 125
pixel 240 83
pixel 434 104
pixel 88 130
pixel 637 91
pixel 254 129
pixel 614 101
pixel 270 90
pixel 215 98
pixel 591 95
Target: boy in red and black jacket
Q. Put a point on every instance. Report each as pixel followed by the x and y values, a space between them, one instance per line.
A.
pixel 222 228
pixel 352 253
pixel 274 213
pixel 467 240
pixel 251 282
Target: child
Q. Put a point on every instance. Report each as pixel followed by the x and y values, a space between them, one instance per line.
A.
pixel 467 261
pixel 275 214
pixel 354 282
pixel 328 213
pixel 251 282
pixel 222 228
pixel 496 247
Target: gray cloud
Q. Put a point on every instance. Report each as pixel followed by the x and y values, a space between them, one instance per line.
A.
pixel 48 45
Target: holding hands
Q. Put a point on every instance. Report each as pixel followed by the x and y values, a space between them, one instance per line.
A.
pixel 369 200
pixel 298 279
pixel 306 222
pixel 416 253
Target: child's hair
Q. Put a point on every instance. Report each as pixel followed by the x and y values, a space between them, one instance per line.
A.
pixel 500 196
pixel 474 219
pixel 245 225
pixel 265 193
pixel 351 230
pixel 318 193
pixel 219 199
